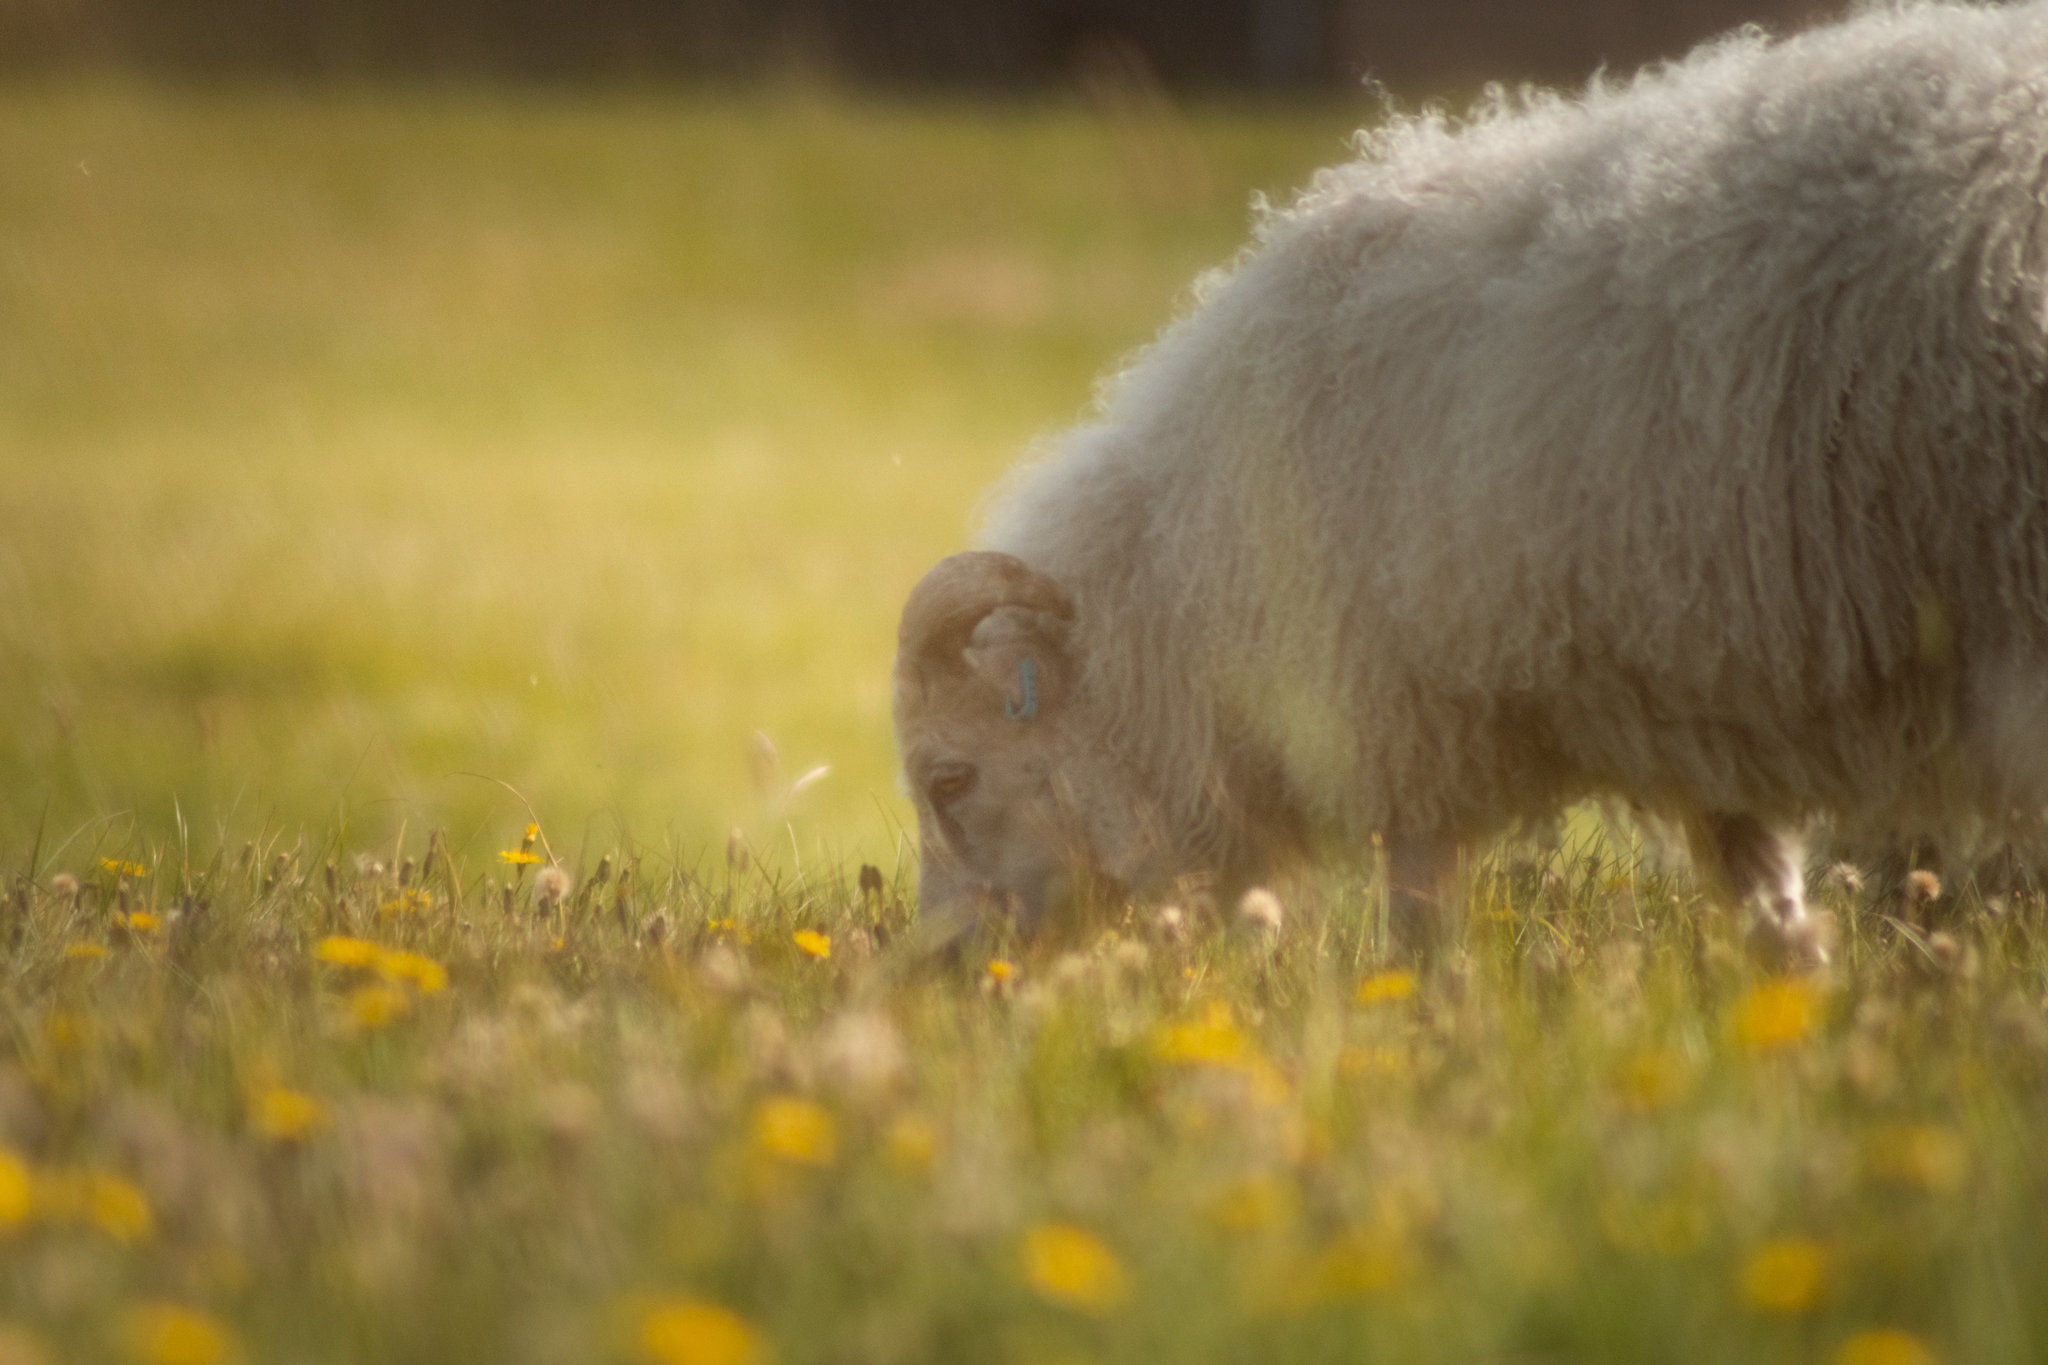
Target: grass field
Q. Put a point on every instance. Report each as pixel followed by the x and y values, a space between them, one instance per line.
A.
pixel 350 443
pixel 416 503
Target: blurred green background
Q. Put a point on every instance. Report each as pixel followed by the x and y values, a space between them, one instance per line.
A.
pixel 398 401
pixel 358 446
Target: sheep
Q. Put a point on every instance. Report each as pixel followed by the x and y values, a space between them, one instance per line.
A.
pixel 1682 442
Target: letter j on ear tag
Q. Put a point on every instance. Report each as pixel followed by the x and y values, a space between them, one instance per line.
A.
pixel 1030 706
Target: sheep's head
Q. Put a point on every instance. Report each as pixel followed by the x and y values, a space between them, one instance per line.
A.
pixel 1015 798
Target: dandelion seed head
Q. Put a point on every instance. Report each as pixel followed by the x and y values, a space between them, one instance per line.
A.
pixel 64 886
pixel 551 885
pixel 862 1051
pixel 1922 886
pixel 1261 909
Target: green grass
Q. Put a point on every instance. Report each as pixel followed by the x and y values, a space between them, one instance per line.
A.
pixel 353 441
pixel 630 1119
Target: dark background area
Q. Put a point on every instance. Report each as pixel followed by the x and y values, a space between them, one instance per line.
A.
pixel 1413 48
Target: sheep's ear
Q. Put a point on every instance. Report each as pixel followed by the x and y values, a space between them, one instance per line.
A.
pixel 1023 654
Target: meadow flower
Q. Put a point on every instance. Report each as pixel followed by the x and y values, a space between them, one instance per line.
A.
pixel 17 1191
pixel 1777 1014
pixel 1071 1267
pixel 1386 986
pixel 794 1129
pixel 347 952
pixel 163 1333
pixel 692 1332
pixel 813 942
pixel 1214 1039
pixel 375 1006
pixel 1000 970
pixel 551 886
pixel 1885 1346
pixel 284 1115
pixel 79 950
pixel 412 901
pixel 117 1208
pixel 1787 1275
pixel 518 857
pixel 142 922
pixel 1921 1154
pixel 426 975
pixel 1261 909
pixel 123 869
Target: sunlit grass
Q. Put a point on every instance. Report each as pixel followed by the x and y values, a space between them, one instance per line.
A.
pixel 350 442
pixel 314 1103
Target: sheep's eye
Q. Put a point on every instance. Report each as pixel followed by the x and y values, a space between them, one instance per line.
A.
pixel 949 781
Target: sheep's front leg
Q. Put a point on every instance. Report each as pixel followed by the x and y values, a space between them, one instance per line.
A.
pixel 1422 895
pixel 1748 862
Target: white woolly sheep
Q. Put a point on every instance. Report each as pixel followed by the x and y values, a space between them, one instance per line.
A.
pixel 1684 441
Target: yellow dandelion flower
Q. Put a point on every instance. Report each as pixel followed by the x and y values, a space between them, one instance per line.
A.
pixel 1885 1346
pixel 284 1115
pixel 163 1333
pixel 812 942
pixel 532 833
pixel 117 1208
pixel 375 1006
pixel 1777 1015
pixel 78 950
pixel 412 902
pixel 17 1191
pixel 1071 1267
pixel 1213 1039
pixel 1000 970
pixel 347 952
pixel 797 1130
pixel 123 869
pixel 691 1332
pixel 1384 987
pixel 518 857
pixel 912 1143
pixel 426 975
pixel 1787 1275
pixel 142 922
pixel 1923 1154
pixel 1652 1080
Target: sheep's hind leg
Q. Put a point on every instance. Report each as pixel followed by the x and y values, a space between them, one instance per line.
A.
pixel 1422 896
pixel 1749 862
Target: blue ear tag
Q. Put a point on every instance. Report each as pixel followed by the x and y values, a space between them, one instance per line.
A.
pixel 1030 706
